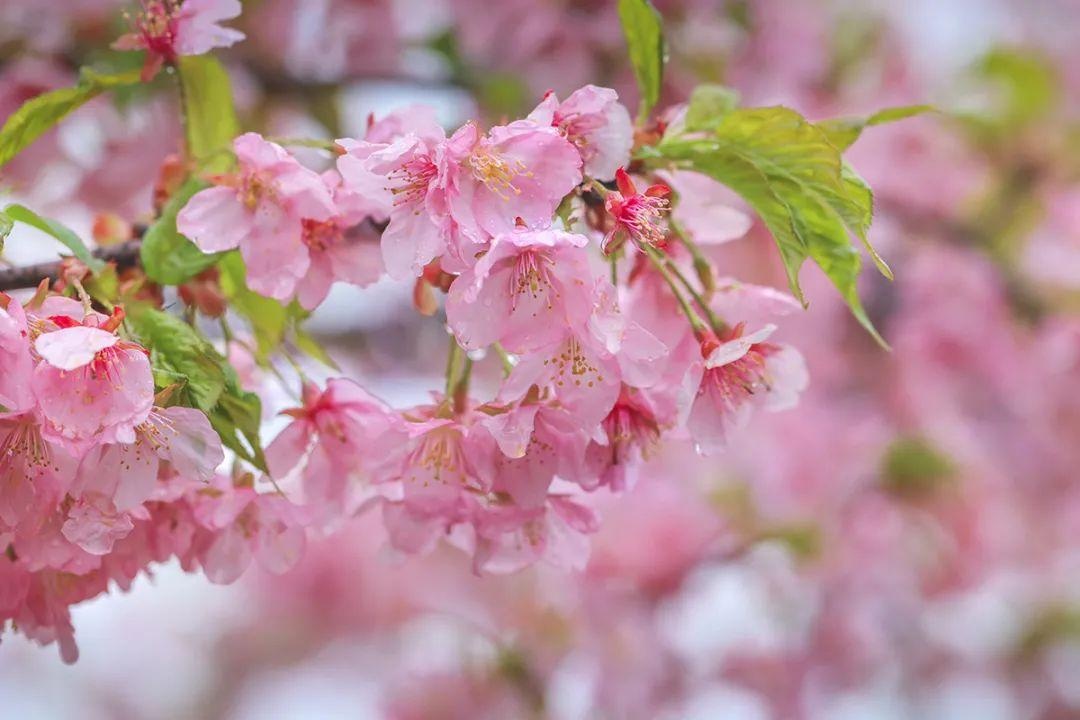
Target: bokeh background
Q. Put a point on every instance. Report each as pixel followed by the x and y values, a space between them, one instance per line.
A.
pixel 904 544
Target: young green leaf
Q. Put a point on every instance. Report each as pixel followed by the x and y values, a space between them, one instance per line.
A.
pixel 6 225
pixel 236 419
pixel 643 28
pixel 793 176
pixel 182 357
pixel 209 113
pixel 179 350
pixel 308 345
pixel 64 234
pixel 168 257
pixel 843 132
pixel 40 113
pixel 269 319
pixel 708 104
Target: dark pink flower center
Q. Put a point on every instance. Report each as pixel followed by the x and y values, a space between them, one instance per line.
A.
pixel 639 216
pixel 157 24
pixel 320 235
pixel 412 180
pixel 630 425
pixel 531 276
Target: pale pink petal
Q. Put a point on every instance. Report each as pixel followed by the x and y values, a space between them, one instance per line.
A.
pixel 227 557
pixel 74 347
pixel 214 219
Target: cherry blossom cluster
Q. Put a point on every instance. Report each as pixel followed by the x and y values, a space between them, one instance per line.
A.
pixel 552 258
pixel 100 477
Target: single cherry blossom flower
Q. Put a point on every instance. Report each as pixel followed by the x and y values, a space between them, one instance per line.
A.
pixel 127 473
pixel 91 386
pixel 401 177
pixel 516 174
pixel 636 215
pixel 586 366
pixel 261 208
pixel 335 437
pixel 510 538
pixel 244 524
pixel 340 248
pixel 34 471
pixel 630 433
pixel 741 372
pixel 539 441
pixel 596 123
pixel 95 525
pixel 523 292
pixel 167 29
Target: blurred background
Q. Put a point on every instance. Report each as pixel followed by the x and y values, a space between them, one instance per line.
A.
pixel 903 544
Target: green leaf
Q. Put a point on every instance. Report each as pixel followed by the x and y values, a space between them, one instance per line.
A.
pixel 708 104
pixel 269 319
pixel 858 213
pixel 180 355
pixel 643 28
pixel 843 132
pixel 104 286
pixel 61 232
pixel 168 257
pixel 237 419
pixel 793 176
pixel 6 225
pixel 209 114
pixel 40 113
pixel 308 345
pixel 179 350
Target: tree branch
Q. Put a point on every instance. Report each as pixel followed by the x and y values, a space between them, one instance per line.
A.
pixel 125 255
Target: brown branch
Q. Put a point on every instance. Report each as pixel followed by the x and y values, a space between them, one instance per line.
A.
pixel 125 255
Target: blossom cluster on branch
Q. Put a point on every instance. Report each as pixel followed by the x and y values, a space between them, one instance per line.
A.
pixel 568 246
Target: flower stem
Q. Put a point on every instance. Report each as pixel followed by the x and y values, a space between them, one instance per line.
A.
pixel 715 322
pixel 315 143
pixel 659 263
pixel 504 358
pixel 702 266
pixel 453 365
pixel 458 371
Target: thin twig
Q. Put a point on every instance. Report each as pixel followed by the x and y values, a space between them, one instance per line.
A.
pixel 125 255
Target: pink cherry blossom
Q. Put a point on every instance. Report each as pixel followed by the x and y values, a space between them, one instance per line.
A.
pixel 15 394
pixel 338 436
pixel 34 472
pixel 339 248
pixel 261 208
pixel 167 29
pixel 508 539
pixel 630 433
pixel 516 172
pixel 175 440
pixel 741 372
pixel 596 123
pixel 94 525
pixel 523 292
pixel 586 366
pixel 539 441
pixel 402 175
pixel 246 525
pixel 91 386
pixel 636 215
